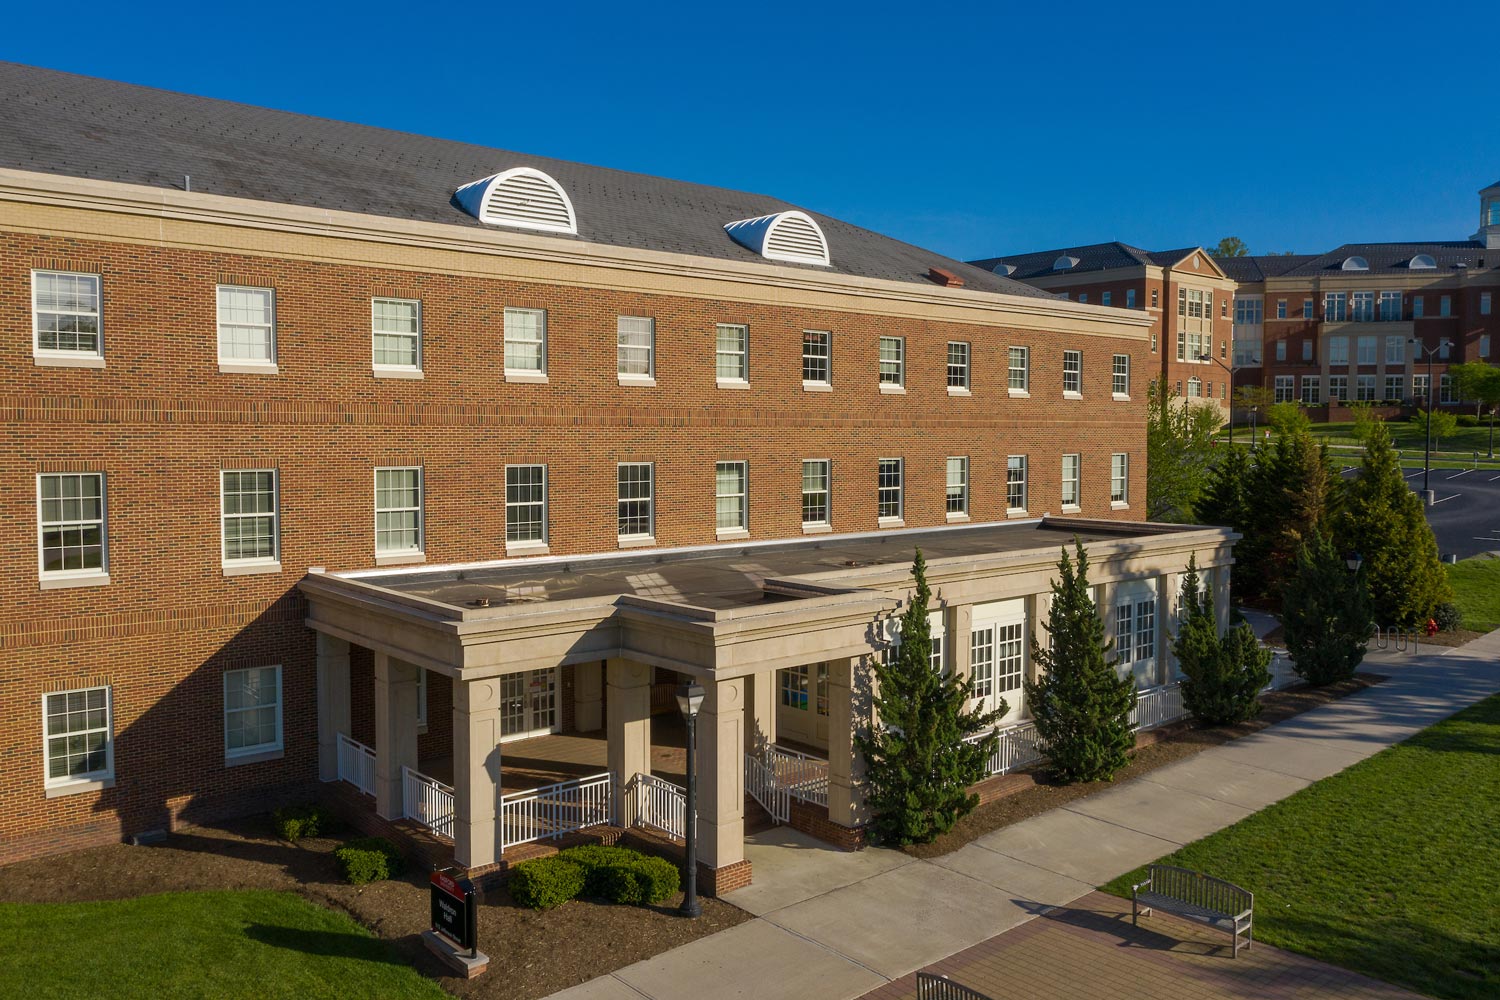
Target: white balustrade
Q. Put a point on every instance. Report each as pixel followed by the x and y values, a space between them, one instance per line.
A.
pixel 1157 706
pixel 804 777
pixel 428 801
pixel 549 812
pixel 760 782
pixel 658 804
pixel 356 764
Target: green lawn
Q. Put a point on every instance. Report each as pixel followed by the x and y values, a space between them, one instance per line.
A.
pixel 1476 591
pixel 198 944
pixel 1455 452
pixel 1391 868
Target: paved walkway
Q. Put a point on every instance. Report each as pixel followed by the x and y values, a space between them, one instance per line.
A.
pixel 838 925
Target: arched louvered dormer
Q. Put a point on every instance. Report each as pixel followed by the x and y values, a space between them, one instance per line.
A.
pixel 1064 263
pixel 1422 262
pixel 789 236
pixel 1004 270
pixel 1355 264
pixel 522 197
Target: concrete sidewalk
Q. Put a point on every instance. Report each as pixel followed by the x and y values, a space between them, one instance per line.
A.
pixel 837 925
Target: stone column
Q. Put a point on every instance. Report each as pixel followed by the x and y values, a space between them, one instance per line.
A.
pixel 476 771
pixel 849 712
pixel 958 621
pixel 760 698
pixel 629 693
pixel 721 774
pixel 395 731
pixel 1169 600
pixel 1221 597
pixel 1037 608
pixel 588 697
pixel 333 703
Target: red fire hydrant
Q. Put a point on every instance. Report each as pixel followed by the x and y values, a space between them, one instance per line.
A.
pixel 1431 627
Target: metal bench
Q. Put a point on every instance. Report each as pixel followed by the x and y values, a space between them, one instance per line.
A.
pixel 1197 897
pixel 931 987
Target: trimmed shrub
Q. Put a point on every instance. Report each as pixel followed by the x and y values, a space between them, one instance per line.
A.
pixel 545 882
pixel 659 877
pixel 1448 617
pixel 295 822
pixel 621 875
pixel 368 859
pixel 1468 420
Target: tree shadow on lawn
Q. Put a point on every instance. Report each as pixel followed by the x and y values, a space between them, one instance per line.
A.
pixel 331 944
pixel 309 862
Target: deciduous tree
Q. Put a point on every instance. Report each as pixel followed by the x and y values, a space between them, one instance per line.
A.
pixel 1180 436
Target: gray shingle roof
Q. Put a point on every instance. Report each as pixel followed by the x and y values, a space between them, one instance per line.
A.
pixel 1246 270
pixel 1093 257
pixel 1392 258
pixel 61 123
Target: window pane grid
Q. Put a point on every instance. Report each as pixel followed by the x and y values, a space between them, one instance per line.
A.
pixel 958 365
pixel 958 486
pixel 526 340
pixel 249 512
pixel 816 353
pixel 396 329
pixel 982 661
pixel 65 311
pixel 252 710
pixel 637 345
pixel 1011 656
pixel 815 492
pixel 398 510
pixel 1072 371
pixel 1145 630
pixel 525 503
pixel 635 500
pixel 1070 476
pixel 892 360
pixel 71 515
pixel 1015 482
pixel 731 344
pixel 1118 477
pixel 890 488
pixel 77 735
pixel 246 324
pixel 1120 375
pixel 1018 375
pixel 729 495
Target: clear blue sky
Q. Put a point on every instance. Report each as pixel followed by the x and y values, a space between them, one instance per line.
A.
pixel 975 129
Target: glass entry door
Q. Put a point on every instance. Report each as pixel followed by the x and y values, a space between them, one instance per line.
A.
pixel 528 704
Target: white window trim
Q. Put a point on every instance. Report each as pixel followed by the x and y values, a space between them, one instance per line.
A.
pixel 1072 393
pixel 1122 504
pixel 529 547
pixel 637 378
pixel 899 386
pixel 742 530
pixel 956 515
pixel 243 366
pixel 741 381
pixel 51 357
pixel 381 369
pixel 259 564
pixel 1024 392
pixel 649 538
pixel 1075 507
pixel 1025 487
pixel 899 518
pixel 261 751
pixel 64 578
pixel 966 388
pixel 396 556
pixel 816 385
pixel 535 375
pixel 1119 397
pixel 825 525
pixel 94 780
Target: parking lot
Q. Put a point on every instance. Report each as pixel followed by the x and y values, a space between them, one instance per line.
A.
pixel 1466 515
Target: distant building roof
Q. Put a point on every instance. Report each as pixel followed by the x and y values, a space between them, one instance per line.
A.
pixel 1394 258
pixel 1247 270
pixel 1093 257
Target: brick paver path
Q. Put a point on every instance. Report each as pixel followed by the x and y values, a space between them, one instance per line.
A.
pixel 1088 950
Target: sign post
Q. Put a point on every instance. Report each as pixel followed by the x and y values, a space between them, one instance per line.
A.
pixel 454 936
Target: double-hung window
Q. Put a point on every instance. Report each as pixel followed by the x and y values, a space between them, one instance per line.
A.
pixel 1395 386
pixel 1364 387
pixel 1071 467
pixel 77 744
pixel 252 711
pixel 732 352
pixel 794 687
pixel 1419 387
pixel 248 510
pixel 1120 375
pixel 1418 306
pixel 958 486
pixel 1119 478
pixel 398 511
pixel 636 501
pixel 1284 388
pixel 396 335
pixel 1018 372
pixel 525 505
pixel 1312 389
pixel 817 351
pixel 1390 306
pixel 526 343
pixel 636 338
pixel 1446 393
pixel 1307 308
pixel 1015 484
pixel 892 362
pixel 247 326
pixel 889 484
pixel 65 315
pixel 1073 372
pixel 1130 298
pixel 72 546
pixel 1485 301
pixel 815 489
pixel 730 494
pixel 1338 388
pixel 1281 308
pixel 1445 305
pixel 958 365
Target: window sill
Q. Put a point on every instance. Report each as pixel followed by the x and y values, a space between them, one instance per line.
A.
pixel 1072 395
pixel 79 787
pixel 730 534
pixel 956 390
pixel 64 361
pixel 1120 397
pixel 891 522
pixel 819 528
pixel 64 582
pixel 527 549
pixel 1119 505
pixel 248 368
pixel 957 518
pixel 1071 508
pixel 400 558
pixel 256 757
pixel 636 541
pixel 731 383
pixel 888 389
pixel 649 381
pixel 535 378
pixel 817 387
pixel 1016 512
pixel 1018 393
pixel 251 569
pixel 380 372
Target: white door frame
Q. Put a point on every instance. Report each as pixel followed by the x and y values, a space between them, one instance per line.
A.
pixel 528 708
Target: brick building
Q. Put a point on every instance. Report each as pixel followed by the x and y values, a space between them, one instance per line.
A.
pixel 343 455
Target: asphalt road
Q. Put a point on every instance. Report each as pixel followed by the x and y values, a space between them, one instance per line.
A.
pixel 1466 516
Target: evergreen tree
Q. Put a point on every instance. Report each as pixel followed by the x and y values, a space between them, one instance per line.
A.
pixel 1225 499
pixel 918 767
pixel 1081 705
pixel 1291 492
pixel 1383 520
pixel 1222 675
pixel 1326 614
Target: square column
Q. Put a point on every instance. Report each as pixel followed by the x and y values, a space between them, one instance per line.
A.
pixel 629 693
pixel 1221 597
pixel 476 771
pixel 1038 607
pixel 333 703
pixel 588 697
pixel 1167 621
pixel 760 728
pixel 395 731
pixel 721 774
pixel 850 700
pixel 959 622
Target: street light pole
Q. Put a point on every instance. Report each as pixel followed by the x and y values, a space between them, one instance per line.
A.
pixel 1231 370
pixel 689 700
pixel 1427 449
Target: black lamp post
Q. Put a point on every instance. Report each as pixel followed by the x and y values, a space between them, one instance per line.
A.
pixel 1354 562
pixel 1231 370
pixel 1427 454
pixel 690 700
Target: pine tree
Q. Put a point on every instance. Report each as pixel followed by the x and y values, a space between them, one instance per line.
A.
pixel 1383 520
pixel 1225 500
pixel 1291 491
pixel 1222 675
pixel 918 767
pixel 1081 705
pixel 1326 614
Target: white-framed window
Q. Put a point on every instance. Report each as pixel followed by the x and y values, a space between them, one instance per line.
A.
pixel 1130 298
pixel 1119 478
pixel 398 511
pixel 636 339
pixel 1335 307
pixel 982 660
pixel 65 315
pixel 958 364
pixel 1419 386
pixel 1364 388
pixel 794 687
pixel 526 504
pixel 71 538
pixel 937 657
pixel 1338 388
pixel 77 740
pixel 1307 308
pixel 1010 659
pixel 1390 306
pixel 1248 311
pixel 1281 308
pixel 1362 307
pixel 1307 349
pixel 1073 371
pixel 1338 350
pixel 1105 298
pixel 732 352
pixel 396 333
pixel 1485 299
pixel 1445 349
pixel 248 510
pixel 892 360
pixel 1445 305
pixel 730 506
pixel 1312 389
pixel 1395 387
pixel 526 341
pixel 1018 372
pixel 1395 350
pixel 1153 341
pixel 1365 350
pixel 815 491
pixel 817 355
pixel 1280 350
pixel 958 485
pixel 1445 389
pixel 1015 483
pixel 252 711
pixel 1418 306
pixel 889 489
pixel 247 325
pixel 1145 629
pixel 1155 297
pixel 636 502
pixel 1120 375
pixel 1072 466
pixel 1286 389
pixel 1194 387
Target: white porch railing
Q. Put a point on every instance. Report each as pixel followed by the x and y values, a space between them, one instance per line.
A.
pixel 541 813
pixel 1018 746
pixel 356 764
pixel 658 804
pixel 1157 706
pixel 806 778
pixel 762 786
pixel 428 801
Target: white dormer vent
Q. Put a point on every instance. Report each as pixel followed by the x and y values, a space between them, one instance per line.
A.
pixel 1064 263
pixel 1422 262
pixel 1355 264
pixel 520 197
pixel 1005 270
pixel 790 236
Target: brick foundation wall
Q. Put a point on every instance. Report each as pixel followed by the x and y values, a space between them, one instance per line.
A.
pixel 813 820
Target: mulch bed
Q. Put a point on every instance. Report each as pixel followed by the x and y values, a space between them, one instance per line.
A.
pixel 531 954
pixel 1455 638
pixel 1039 793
